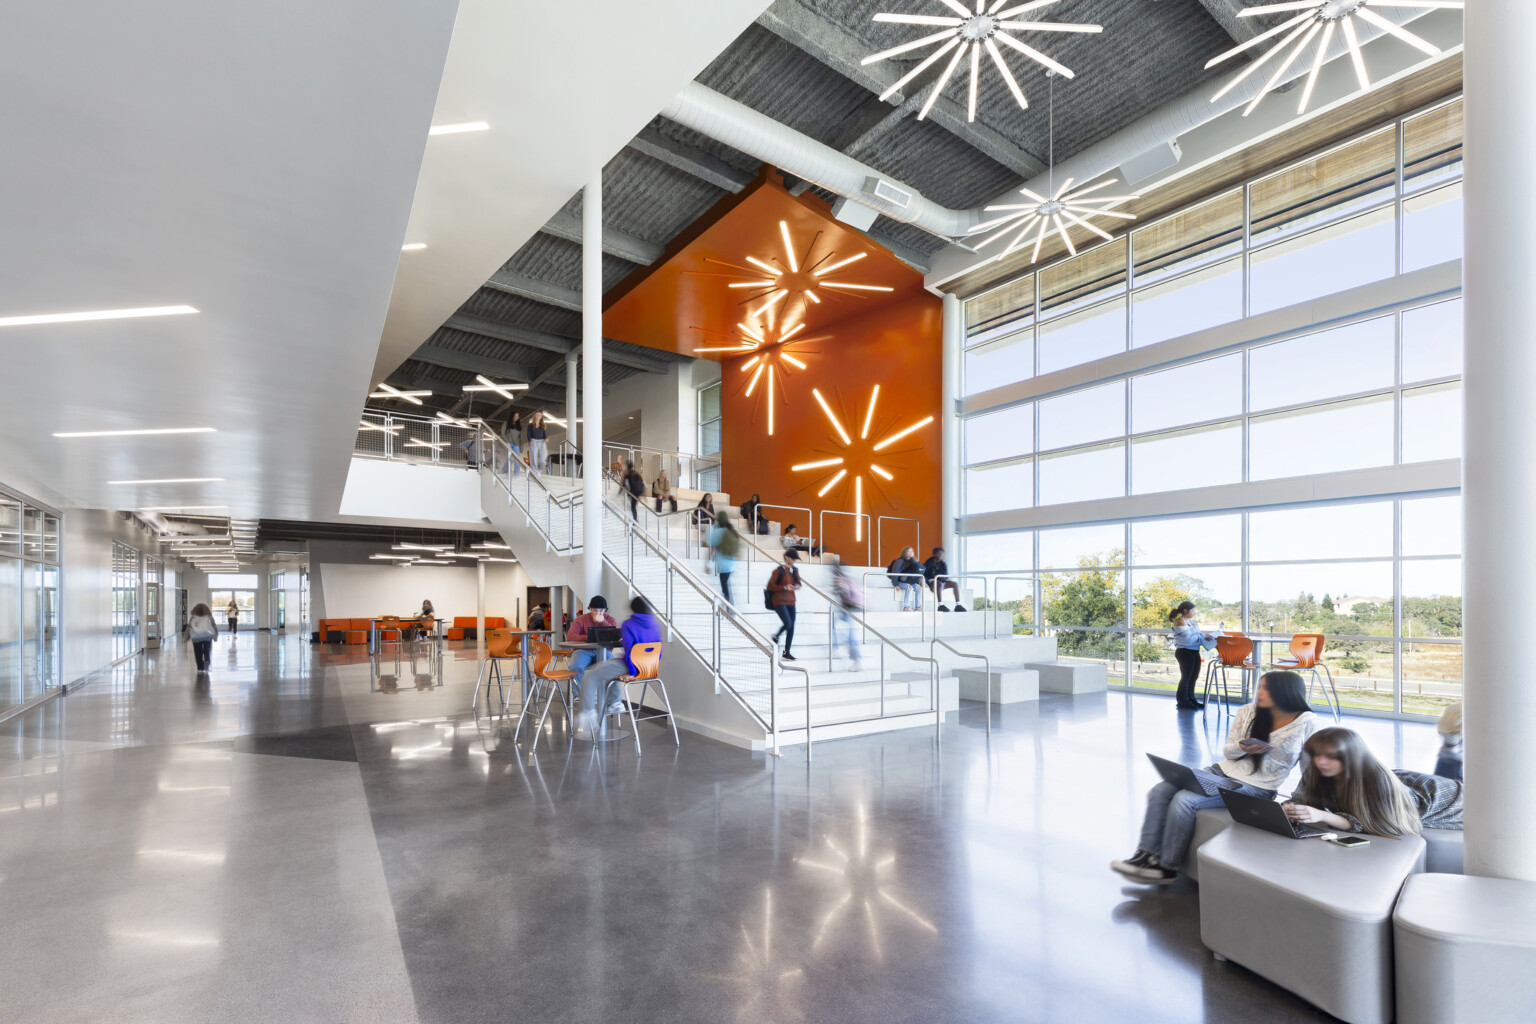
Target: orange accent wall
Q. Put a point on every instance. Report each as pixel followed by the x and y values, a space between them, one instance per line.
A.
pixel 897 346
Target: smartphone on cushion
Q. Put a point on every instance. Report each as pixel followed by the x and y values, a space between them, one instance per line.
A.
pixel 1348 842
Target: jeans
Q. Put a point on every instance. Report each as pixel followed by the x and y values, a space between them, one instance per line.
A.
pixel 634 508
pixel 202 652
pixel 845 633
pixel 786 616
pixel 911 596
pixel 232 624
pixel 515 460
pixel 1448 764
pixel 725 587
pixel 598 681
pixel 538 455
pixel 661 501
pixel 1189 674
pixel 580 662
pixel 1170 820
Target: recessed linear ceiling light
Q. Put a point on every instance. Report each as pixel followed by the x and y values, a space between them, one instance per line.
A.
pixel 100 314
pixel 459 128
pixel 413 246
pixel 181 508
pixel 491 546
pixel 1318 20
pixel 420 547
pixel 135 433
pixel 175 480
pixel 395 558
pixel 500 559
pixel 967 33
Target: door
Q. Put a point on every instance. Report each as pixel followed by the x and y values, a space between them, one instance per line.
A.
pixel 152 601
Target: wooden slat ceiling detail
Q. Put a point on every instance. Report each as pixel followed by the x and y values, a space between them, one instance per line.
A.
pixel 1436 82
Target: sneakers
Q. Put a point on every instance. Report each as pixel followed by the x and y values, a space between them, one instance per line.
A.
pixel 786 656
pixel 618 707
pixel 1143 867
pixel 959 607
pixel 943 607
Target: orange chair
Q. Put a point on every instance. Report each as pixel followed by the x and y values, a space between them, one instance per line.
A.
pixel 500 645
pixel 1233 650
pixel 1307 654
pixel 546 688
pixel 647 659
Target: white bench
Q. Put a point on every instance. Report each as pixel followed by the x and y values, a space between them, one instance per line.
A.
pixel 1443 850
pixel 1209 823
pixel 1010 685
pixel 1466 950
pixel 1070 677
pixel 1312 917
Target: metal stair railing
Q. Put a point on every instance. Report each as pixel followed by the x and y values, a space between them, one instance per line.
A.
pixel 986 664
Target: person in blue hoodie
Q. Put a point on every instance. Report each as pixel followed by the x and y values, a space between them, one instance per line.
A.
pixel 601 680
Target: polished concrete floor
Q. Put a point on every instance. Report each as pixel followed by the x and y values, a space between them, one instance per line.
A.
pixel 301 839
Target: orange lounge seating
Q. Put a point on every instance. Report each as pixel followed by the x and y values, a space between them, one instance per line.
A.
pixel 356 636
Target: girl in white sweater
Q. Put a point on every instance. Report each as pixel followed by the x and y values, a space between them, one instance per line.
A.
pixel 1262 747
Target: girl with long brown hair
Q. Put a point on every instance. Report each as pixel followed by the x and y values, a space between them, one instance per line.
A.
pixel 1345 787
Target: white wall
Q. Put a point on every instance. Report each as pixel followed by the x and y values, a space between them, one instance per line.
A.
pixel 667 403
pixel 406 490
pixel 345 583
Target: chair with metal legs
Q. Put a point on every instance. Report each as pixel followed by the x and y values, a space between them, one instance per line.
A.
pixel 1232 651
pixel 647 661
pixel 1307 654
pixel 500 645
pixel 546 689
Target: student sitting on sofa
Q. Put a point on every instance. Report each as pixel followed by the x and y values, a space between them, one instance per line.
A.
pixel 1263 746
pixel 1347 788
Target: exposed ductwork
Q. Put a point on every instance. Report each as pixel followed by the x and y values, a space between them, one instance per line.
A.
pixel 739 126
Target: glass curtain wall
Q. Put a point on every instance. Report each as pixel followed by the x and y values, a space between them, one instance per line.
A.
pixel 30 641
pixel 1380 578
pixel 127 579
pixel 709 438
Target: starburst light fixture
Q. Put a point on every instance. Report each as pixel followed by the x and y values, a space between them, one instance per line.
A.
pixel 781 292
pixel 1042 217
pixel 858 456
pixel 967 32
pixel 1318 21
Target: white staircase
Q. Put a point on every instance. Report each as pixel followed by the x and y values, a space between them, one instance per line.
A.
pixel 723 676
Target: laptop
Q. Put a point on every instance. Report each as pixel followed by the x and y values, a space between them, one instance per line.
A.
pixel 1269 815
pixel 607 636
pixel 1195 780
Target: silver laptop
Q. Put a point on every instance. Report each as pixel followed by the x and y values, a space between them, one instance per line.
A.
pixel 1195 780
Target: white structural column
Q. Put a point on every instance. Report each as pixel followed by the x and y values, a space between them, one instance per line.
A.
pixel 480 605
pixel 1499 445
pixel 949 461
pixel 592 385
pixel 571 407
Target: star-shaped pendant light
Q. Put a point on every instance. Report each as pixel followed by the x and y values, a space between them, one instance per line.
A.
pixel 1040 218
pixel 1317 23
pixel 966 33
pixel 859 455
pixel 781 292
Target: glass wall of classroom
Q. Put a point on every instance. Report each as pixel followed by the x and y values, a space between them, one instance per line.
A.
pixel 30 638
pixel 1381 579
pixel 1376 388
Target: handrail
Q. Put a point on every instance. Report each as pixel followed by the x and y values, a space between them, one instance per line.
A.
pixel 809 516
pixel 986 662
pixel 821 528
pixel 864 580
pixel 917 542
pixel 997 598
pixel 939 590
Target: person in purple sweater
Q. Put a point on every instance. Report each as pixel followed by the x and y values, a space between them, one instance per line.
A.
pixel 601 680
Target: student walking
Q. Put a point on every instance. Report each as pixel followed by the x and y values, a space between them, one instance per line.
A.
pixel 781 593
pixel 725 542
pixel 232 613
pixel 634 483
pixel 538 448
pixel 849 600
pixel 202 631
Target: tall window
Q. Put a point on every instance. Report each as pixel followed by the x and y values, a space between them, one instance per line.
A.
pixel 708 470
pixel 127 575
pixel 1379 576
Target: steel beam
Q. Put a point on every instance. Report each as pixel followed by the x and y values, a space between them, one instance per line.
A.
pixel 515 335
pixel 526 287
pixel 567 225
pixel 702 165
pixel 1225 12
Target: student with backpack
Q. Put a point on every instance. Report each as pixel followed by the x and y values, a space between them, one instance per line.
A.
pixel 634 483
pixel 781 598
pixel 725 542
pixel 202 631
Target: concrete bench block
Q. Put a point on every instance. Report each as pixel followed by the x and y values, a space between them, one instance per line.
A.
pixel 1009 685
pixel 1466 950
pixel 1312 917
pixel 1065 677
pixel 1443 850
pixel 1209 823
